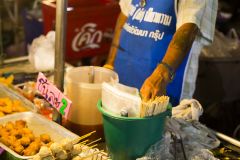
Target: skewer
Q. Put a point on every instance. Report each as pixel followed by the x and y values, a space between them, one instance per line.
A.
pixel 94 141
pixel 84 142
pixel 82 137
pixel 95 145
pixel 92 154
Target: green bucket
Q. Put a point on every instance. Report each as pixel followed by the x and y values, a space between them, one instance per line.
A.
pixel 128 138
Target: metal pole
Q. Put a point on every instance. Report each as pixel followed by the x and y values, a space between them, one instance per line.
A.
pixel 1 43
pixel 60 48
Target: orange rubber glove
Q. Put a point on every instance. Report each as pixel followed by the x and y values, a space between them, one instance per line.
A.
pixel 155 85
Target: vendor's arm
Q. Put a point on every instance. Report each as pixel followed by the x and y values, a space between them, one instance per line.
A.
pixel 115 43
pixel 178 48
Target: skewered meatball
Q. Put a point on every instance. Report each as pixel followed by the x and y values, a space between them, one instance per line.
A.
pixel 77 149
pixel 67 144
pixel 56 148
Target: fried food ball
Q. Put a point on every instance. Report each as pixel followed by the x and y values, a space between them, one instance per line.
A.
pixel 1 114
pixel 5 102
pixel 37 140
pixel 19 149
pixel 9 126
pixel 29 152
pixel 15 104
pixel 17 143
pixel 12 140
pixel 21 109
pixel 32 149
pixel 25 141
pixel 18 135
pixel 45 138
pixel 26 131
pixel 30 136
pixel 4 140
pixel 20 124
pixel 14 132
pixel 35 145
pixel 4 132
pixel 7 109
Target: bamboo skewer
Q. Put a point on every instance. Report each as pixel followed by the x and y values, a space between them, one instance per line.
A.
pixel 83 137
pixel 94 141
pixel 91 155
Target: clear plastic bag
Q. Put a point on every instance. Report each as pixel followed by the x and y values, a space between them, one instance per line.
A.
pixel 42 52
pixel 223 46
pixel 183 139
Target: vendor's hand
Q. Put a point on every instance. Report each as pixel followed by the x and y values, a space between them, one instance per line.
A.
pixel 109 66
pixel 155 84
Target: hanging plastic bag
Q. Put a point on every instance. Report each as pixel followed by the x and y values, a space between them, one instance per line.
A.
pixel 223 46
pixel 42 51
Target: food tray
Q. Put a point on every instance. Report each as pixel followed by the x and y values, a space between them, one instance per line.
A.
pixel 7 92
pixel 39 125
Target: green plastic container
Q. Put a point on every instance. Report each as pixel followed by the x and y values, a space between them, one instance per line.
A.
pixel 129 138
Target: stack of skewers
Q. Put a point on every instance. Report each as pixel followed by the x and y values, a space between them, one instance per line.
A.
pixel 154 106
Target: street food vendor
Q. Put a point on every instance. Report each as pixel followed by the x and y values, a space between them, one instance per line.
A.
pixel 157 44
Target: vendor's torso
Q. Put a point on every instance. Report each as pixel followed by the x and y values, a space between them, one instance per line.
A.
pixel 144 40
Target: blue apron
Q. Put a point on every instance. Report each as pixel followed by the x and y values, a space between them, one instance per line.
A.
pixel 143 42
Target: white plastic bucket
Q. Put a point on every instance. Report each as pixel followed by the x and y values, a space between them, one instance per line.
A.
pixel 84 87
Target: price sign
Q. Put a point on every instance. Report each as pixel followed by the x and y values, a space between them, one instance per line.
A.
pixel 53 95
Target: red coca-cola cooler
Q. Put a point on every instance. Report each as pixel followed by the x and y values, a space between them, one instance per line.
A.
pixel 90 26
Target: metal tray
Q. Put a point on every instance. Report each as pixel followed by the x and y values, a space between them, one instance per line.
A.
pixel 39 125
pixel 7 92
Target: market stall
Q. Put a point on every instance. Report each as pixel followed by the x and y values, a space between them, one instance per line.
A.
pixel 183 133
pixel 84 113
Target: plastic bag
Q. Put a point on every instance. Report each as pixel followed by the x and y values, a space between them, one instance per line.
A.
pixel 118 98
pixel 183 138
pixel 42 52
pixel 223 46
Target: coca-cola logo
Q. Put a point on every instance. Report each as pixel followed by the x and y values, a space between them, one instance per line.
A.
pixel 87 37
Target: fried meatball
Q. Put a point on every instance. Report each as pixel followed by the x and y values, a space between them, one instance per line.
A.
pixel 12 139
pixel 30 136
pixel 45 138
pixel 9 126
pixel 25 141
pixel 1 114
pixel 20 124
pixel 19 149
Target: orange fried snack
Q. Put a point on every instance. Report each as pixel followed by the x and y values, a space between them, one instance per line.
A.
pixel 8 106
pixel 18 137
pixel 7 81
